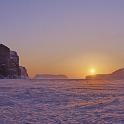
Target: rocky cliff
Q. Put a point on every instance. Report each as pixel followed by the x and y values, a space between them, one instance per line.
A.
pixel 14 65
pixel 9 64
pixel 23 72
pixel 4 61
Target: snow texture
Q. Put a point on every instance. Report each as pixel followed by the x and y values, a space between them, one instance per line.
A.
pixel 61 102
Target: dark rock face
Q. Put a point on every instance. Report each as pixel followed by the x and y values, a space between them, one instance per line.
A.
pixel 9 63
pixel 50 76
pixel 14 65
pixel 23 72
pixel 4 61
pixel 118 74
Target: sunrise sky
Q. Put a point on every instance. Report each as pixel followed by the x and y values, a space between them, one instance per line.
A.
pixel 65 36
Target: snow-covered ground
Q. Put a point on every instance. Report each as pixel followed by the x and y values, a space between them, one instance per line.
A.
pixel 61 102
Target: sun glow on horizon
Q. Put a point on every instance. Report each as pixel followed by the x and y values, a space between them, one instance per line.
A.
pixel 92 71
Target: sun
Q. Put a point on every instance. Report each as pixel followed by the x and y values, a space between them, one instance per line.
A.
pixel 92 71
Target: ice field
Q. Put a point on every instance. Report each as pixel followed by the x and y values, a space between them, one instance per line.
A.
pixel 61 102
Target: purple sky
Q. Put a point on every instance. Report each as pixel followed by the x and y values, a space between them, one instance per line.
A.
pixel 65 36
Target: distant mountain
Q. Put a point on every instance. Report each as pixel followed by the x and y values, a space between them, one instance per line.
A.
pixel 50 76
pixel 118 74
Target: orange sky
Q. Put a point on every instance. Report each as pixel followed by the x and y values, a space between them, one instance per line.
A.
pixel 65 37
